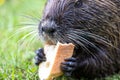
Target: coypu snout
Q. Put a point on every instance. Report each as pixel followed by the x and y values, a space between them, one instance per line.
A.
pixel 47 27
pixel 49 31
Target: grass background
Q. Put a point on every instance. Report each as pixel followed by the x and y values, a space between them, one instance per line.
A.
pixel 17 19
pixel 18 26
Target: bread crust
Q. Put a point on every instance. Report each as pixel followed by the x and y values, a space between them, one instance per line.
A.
pixel 55 55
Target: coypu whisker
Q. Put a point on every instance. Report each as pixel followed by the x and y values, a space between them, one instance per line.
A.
pixel 28 34
pixel 75 41
pixel 28 24
pixel 30 17
pixel 95 36
pixel 24 28
pixel 32 38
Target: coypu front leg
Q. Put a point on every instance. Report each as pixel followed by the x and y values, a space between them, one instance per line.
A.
pixel 69 66
pixel 98 66
pixel 40 56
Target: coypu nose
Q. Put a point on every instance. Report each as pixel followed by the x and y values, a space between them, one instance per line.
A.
pixel 48 30
pixel 48 27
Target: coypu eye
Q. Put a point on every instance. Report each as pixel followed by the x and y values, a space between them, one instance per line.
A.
pixel 78 3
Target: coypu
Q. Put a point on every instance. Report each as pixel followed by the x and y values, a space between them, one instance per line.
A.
pixel 93 26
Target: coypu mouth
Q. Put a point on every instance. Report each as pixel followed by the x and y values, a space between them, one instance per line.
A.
pixel 51 33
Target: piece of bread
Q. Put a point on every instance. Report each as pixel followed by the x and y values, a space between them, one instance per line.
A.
pixel 55 55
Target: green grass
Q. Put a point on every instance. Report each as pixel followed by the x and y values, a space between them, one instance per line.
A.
pixel 17 52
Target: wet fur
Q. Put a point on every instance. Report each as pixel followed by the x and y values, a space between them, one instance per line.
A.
pixel 94 27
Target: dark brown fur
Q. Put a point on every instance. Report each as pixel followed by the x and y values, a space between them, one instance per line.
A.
pixel 93 26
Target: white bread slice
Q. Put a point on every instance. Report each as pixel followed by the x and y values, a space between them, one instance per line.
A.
pixel 55 55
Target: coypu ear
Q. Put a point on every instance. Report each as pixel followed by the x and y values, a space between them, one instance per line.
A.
pixel 78 3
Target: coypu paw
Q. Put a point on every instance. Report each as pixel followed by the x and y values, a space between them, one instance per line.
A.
pixel 40 56
pixel 69 66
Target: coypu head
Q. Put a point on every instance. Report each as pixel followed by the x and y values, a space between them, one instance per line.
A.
pixel 81 22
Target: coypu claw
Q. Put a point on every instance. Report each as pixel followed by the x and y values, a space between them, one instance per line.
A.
pixel 40 56
pixel 69 66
